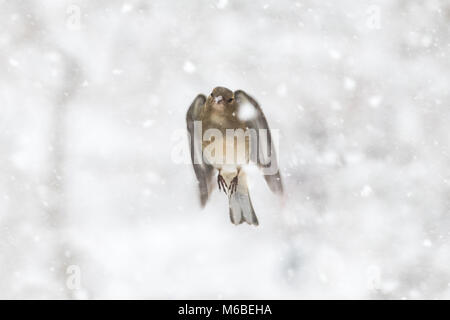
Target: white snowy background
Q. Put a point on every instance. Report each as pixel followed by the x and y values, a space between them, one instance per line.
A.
pixel 93 97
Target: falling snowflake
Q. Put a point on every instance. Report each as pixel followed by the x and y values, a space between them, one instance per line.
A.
pixel 189 67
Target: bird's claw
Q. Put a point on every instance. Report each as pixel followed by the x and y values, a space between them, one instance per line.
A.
pixel 233 185
pixel 222 184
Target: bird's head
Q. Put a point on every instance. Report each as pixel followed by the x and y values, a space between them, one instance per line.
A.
pixel 221 98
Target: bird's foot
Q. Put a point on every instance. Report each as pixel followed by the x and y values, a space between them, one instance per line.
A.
pixel 222 184
pixel 233 185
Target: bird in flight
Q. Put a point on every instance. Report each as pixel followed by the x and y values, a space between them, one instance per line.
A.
pixel 228 130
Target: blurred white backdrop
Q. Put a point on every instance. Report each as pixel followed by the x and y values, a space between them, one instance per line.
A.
pixel 93 93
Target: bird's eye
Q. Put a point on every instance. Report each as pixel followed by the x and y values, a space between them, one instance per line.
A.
pixel 231 99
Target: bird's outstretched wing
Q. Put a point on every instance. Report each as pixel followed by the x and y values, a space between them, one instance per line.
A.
pixel 265 151
pixel 203 171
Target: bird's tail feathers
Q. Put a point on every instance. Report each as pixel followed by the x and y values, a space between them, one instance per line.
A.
pixel 241 208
